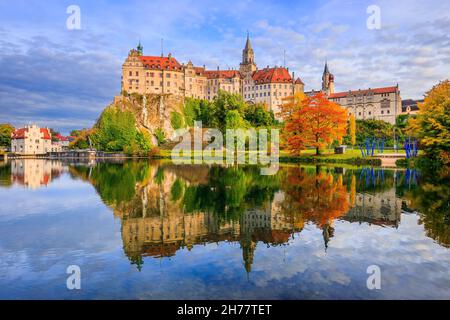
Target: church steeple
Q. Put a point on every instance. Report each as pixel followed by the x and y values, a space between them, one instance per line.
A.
pixel 327 80
pixel 248 55
pixel 248 58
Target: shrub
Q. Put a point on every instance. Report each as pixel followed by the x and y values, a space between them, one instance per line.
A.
pixel 176 120
pixel 160 136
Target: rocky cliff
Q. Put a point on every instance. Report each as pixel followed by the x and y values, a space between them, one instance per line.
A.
pixel 152 111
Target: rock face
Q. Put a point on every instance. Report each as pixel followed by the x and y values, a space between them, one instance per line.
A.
pixel 152 111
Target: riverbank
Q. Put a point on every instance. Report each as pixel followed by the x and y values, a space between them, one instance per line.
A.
pixel 327 156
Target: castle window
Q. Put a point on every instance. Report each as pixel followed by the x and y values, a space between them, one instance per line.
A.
pixel 131 73
pixel 152 83
pixel 168 83
pixel 382 111
pixel 168 75
pixel 385 103
pixel 137 73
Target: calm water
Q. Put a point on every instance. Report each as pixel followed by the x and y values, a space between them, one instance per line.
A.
pixel 154 230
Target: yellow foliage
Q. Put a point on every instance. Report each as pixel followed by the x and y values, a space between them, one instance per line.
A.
pixel 432 124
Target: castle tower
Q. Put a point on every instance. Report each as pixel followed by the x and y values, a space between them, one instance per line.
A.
pixel 248 65
pixel 248 252
pixel 327 81
pixel 140 48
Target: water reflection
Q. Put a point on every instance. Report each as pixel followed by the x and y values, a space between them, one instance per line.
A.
pixel 31 173
pixel 164 207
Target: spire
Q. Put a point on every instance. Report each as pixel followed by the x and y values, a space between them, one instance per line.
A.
pixel 140 48
pixel 325 70
pixel 247 44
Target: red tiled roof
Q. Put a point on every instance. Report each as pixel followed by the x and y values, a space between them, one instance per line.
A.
pixel 199 70
pixel 272 75
pixel 213 74
pixel 46 134
pixel 61 138
pixel 363 92
pixel 155 62
pixel 19 133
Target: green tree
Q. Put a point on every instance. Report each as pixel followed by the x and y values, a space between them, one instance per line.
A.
pixel 376 129
pixel 192 111
pixel 81 139
pixel 6 130
pixel 258 116
pixel 234 120
pixel 54 133
pixel 116 131
pixel 225 102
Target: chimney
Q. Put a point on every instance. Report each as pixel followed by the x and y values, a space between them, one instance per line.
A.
pixel 217 68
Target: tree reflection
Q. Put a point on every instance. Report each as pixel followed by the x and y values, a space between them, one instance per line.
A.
pixel 165 208
pixel 431 198
pixel 318 196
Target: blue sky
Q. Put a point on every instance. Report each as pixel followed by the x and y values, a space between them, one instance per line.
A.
pixel 64 78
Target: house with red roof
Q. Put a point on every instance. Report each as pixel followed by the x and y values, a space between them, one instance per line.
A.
pixel 32 140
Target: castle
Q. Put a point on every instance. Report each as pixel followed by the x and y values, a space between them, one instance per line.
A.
pixel 373 103
pixel 165 75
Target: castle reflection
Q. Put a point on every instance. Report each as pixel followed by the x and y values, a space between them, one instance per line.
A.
pixel 171 207
pixel 164 208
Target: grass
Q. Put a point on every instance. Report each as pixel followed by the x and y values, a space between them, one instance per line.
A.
pixel 351 156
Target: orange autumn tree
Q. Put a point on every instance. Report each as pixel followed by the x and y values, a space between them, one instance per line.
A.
pixel 312 122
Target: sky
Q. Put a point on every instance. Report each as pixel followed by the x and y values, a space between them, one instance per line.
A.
pixel 63 78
